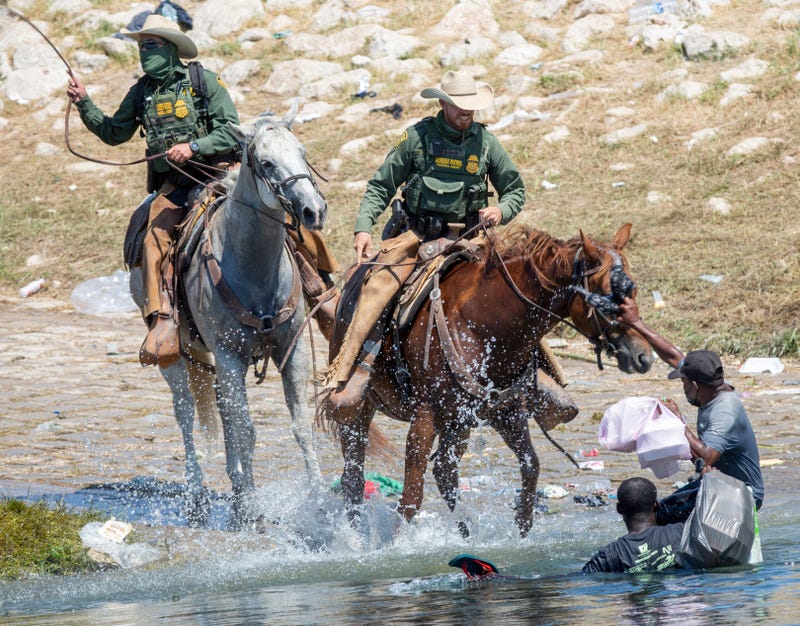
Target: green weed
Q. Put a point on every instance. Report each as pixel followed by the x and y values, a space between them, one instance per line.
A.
pixel 36 538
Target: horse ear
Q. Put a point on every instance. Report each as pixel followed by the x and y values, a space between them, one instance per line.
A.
pixel 622 236
pixel 589 249
pixel 288 119
pixel 242 132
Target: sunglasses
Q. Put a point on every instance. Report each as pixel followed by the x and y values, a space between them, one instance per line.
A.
pixel 151 45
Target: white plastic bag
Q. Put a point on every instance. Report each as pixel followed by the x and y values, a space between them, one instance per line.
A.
pixel 622 422
pixel 645 425
pixel 721 530
pixel 662 443
pixel 126 555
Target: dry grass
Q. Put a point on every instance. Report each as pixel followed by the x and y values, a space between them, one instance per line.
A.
pixel 755 309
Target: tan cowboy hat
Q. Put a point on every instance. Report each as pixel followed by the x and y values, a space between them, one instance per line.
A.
pixel 160 26
pixel 461 89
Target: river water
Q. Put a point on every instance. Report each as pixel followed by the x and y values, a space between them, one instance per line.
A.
pixel 307 565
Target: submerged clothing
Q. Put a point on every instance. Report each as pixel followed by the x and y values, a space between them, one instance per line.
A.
pixel 445 173
pixel 722 424
pixel 653 549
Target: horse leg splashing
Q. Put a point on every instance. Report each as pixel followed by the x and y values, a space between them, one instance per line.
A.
pixel 492 372
pixel 192 393
pixel 243 293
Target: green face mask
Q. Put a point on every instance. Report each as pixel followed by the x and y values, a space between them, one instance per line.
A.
pixel 159 64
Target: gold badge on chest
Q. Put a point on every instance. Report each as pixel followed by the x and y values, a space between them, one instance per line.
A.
pixel 472 164
pixel 181 110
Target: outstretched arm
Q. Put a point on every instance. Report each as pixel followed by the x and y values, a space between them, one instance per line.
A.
pixel 629 315
pixel 700 450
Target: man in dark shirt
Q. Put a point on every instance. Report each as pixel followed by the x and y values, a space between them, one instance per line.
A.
pixel 646 547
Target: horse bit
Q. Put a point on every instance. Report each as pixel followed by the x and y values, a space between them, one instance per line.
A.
pixel 603 305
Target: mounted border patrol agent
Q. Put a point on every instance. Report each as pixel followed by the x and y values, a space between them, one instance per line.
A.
pixel 444 165
pixel 183 112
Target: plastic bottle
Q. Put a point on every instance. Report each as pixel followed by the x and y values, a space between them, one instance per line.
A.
pixel 363 87
pixel 31 288
pixel 645 10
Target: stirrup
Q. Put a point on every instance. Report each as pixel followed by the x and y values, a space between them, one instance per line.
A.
pixel 161 346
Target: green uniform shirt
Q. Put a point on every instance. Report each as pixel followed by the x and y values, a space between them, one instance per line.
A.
pixel 121 126
pixel 407 162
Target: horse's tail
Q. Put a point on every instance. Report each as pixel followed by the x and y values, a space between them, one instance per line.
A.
pixel 380 447
pixel 378 444
pixel 201 384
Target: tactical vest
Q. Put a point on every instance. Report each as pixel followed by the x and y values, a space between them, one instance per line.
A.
pixel 451 178
pixel 175 116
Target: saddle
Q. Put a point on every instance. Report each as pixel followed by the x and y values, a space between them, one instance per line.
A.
pixel 417 289
pixel 438 258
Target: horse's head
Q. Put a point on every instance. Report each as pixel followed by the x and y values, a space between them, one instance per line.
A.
pixel 276 162
pixel 601 282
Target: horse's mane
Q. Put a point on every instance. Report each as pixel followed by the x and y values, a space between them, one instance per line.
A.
pixel 229 180
pixel 547 255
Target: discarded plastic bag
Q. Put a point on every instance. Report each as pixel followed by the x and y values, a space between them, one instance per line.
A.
pixel 126 555
pixel 757 365
pixel 105 294
pixel 721 530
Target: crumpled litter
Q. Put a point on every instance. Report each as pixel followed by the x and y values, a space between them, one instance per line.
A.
pixel 109 540
pixel 552 491
pixel 395 110
pixel 591 500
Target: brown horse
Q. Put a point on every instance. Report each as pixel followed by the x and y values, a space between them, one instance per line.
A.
pixel 473 352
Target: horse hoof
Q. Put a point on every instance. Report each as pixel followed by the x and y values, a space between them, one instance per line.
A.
pixel 197 510
pixel 463 530
pixel 243 517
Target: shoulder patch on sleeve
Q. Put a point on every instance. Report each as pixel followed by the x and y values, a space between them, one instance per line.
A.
pixel 403 137
pixel 221 84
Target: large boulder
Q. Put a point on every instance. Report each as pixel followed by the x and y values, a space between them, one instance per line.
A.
pixel 466 20
pixel 222 17
pixel 288 76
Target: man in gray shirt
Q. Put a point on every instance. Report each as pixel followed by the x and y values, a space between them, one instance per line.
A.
pixel 725 439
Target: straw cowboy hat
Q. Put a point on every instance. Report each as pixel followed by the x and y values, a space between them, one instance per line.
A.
pixel 160 26
pixel 461 89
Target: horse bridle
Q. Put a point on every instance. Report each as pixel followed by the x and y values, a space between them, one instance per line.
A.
pixel 601 305
pixel 276 188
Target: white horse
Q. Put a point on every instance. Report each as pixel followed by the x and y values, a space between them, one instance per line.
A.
pixel 248 313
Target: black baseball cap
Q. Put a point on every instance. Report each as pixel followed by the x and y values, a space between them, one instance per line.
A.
pixel 700 366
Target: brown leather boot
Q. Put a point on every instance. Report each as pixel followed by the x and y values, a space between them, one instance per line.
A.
pixel 353 390
pixel 161 346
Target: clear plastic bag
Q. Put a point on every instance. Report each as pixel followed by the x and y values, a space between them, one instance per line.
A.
pixel 721 529
pixel 105 294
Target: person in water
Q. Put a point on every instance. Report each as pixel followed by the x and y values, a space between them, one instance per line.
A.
pixel 646 547
pixel 724 437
